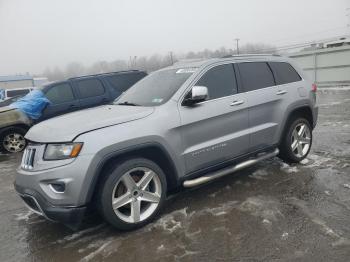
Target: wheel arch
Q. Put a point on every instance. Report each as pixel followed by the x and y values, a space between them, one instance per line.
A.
pixel 152 151
pixel 304 111
pixel 23 126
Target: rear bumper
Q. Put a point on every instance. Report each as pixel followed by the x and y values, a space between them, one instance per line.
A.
pixel 70 216
pixel 314 116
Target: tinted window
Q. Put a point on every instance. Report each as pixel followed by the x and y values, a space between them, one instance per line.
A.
pixel 255 75
pixel 123 82
pixel 60 93
pixel 90 88
pixel 156 88
pixel 284 73
pixel 220 81
pixel 12 93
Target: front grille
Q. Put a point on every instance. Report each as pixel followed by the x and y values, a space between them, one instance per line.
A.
pixel 28 158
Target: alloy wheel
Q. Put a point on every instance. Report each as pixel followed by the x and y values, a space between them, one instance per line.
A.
pixel 301 140
pixel 14 142
pixel 136 195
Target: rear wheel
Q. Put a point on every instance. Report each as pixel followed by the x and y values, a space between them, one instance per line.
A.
pixel 12 140
pixel 297 141
pixel 132 193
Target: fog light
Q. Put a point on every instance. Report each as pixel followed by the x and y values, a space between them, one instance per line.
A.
pixel 58 187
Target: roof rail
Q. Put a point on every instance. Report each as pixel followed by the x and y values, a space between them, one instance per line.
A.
pixel 189 60
pixel 108 73
pixel 248 55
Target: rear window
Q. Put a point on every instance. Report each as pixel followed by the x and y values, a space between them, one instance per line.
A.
pixel 255 75
pixel 90 88
pixel 12 93
pixel 284 73
pixel 123 82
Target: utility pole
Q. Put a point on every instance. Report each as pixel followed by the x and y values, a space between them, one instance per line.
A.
pixel 348 15
pixel 171 57
pixel 135 61
pixel 237 47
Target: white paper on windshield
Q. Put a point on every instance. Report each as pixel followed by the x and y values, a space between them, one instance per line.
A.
pixel 188 70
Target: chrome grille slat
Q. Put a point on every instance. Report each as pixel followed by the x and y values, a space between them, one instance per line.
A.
pixel 28 158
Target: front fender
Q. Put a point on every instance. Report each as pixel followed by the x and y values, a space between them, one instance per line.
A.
pixel 103 156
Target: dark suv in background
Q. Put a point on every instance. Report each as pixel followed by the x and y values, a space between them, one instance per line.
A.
pixel 87 91
pixel 65 96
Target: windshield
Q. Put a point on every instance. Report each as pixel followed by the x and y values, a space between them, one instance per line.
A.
pixel 155 89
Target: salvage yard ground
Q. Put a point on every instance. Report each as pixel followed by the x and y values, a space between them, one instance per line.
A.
pixel 272 211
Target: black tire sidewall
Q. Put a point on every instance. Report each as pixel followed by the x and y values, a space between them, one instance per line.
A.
pixel 106 189
pixel 7 131
pixel 286 151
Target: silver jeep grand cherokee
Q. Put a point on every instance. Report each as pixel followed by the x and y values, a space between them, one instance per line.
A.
pixel 183 125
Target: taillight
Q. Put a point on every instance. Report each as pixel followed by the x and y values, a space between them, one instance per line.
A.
pixel 314 88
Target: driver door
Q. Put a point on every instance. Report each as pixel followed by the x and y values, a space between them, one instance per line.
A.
pixel 216 130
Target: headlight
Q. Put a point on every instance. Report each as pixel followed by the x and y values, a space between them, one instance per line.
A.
pixel 62 151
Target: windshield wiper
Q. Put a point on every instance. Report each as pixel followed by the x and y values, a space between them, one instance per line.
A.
pixel 126 103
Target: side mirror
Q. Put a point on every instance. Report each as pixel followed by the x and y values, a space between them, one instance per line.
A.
pixel 196 95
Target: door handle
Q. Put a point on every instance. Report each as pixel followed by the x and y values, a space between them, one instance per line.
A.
pixel 73 106
pixel 281 92
pixel 236 103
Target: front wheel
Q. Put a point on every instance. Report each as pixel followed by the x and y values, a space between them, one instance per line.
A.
pixel 297 140
pixel 132 194
pixel 12 140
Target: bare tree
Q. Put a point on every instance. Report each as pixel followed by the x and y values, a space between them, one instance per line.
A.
pixel 151 63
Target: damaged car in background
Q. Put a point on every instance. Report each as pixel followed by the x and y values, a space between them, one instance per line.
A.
pixel 60 98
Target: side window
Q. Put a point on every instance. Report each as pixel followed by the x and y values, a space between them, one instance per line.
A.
pixel 255 75
pixel 12 93
pixel 284 73
pixel 90 88
pixel 60 93
pixel 220 81
pixel 123 82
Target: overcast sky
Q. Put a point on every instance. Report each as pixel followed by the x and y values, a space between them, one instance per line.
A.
pixel 37 34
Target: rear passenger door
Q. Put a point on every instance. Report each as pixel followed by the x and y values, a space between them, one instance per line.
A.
pixel 63 100
pixel 91 92
pixel 265 112
pixel 216 130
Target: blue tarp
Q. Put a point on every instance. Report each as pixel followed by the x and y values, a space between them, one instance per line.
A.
pixel 32 104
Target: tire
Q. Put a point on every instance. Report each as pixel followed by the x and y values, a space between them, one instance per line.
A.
pixel 296 144
pixel 126 185
pixel 12 140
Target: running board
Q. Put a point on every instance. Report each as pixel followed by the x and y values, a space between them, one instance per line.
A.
pixel 223 172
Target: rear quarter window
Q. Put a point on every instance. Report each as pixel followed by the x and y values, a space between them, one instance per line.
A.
pixel 284 73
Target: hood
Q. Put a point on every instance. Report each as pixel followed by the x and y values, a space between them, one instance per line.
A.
pixel 5 109
pixel 66 127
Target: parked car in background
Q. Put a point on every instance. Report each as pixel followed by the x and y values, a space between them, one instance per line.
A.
pixel 14 92
pixel 65 96
pixel 10 100
pixel 184 125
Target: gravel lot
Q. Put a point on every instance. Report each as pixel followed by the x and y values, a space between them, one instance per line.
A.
pixel 272 211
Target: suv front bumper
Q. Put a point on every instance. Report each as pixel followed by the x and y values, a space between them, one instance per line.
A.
pixel 38 204
pixel 67 206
